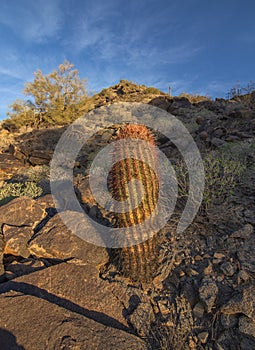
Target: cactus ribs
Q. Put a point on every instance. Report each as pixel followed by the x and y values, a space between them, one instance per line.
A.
pixel 139 261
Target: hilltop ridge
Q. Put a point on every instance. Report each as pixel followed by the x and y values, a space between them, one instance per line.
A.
pixel 202 296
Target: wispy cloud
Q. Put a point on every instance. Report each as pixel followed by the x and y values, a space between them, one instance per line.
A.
pixel 107 35
pixel 91 25
pixel 20 66
pixel 156 56
pixel 33 21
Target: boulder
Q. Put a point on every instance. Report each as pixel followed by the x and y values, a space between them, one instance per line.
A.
pixel 22 211
pixel 16 240
pixel 55 240
pixel 78 288
pixel 36 323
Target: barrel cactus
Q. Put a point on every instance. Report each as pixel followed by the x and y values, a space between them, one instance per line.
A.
pixel 139 261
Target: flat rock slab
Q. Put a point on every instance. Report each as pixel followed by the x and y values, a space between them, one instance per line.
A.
pixel 46 201
pixel 55 240
pixel 33 323
pixel 16 239
pixel 78 288
pixel 22 211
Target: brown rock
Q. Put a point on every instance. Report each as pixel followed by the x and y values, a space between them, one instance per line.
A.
pixel 39 322
pixel 246 254
pixel 198 310
pixel 163 102
pixel 203 336
pixel 16 152
pixel 73 285
pixel 181 102
pixel 9 166
pixel 48 204
pixel 229 321
pixel 22 211
pixel 22 267
pixel 55 240
pixel 243 232
pixel 219 132
pixel 142 318
pixel 40 157
pixel 248 114
pixel 208 270
pixel 46 201
pixel 228 269
pixel 191 272
pixel 37 146
pixel 6 139
pixel 204 135
pixel 85 194
pixel 16 240
pixel 247 326
pixel 199 119
pixel 217 142
pixel 208 292
pixel 232 138
pixel 219 256
pixel 242 276
pixel 237 113
pixel 1 256
pixel 243 302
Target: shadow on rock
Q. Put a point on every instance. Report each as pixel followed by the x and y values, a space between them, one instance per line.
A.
pixel 29 289
pixel 8 341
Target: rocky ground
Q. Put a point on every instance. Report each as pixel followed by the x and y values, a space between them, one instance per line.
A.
pixel 59 292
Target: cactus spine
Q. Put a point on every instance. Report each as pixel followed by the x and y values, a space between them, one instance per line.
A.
pixel 138 262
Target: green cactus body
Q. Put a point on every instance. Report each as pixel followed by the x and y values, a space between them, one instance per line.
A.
pixel 139 261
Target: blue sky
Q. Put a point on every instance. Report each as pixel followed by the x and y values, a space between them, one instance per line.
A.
pixel 195 46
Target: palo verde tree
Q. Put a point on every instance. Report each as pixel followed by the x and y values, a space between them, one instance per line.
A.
pixel 55 98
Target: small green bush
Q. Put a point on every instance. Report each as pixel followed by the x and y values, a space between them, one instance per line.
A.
pixel 37 173
pixel 17 189
pixel 222 173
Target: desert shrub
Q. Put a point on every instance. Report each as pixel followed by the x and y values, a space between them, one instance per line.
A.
pixel 222 170
pixel 152 90
pixel 17 189
pixel 15 123
pixel 55 98
pixel 37 173
pixel 104 92
pixel 222 173
pixel 126 82
pixel 178 333
pixel 242 150
pixel 193 98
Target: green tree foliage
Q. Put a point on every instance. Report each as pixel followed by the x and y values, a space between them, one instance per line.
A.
pixel 56 98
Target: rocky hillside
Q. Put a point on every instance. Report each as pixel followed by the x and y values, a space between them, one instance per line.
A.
pixel 59 292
